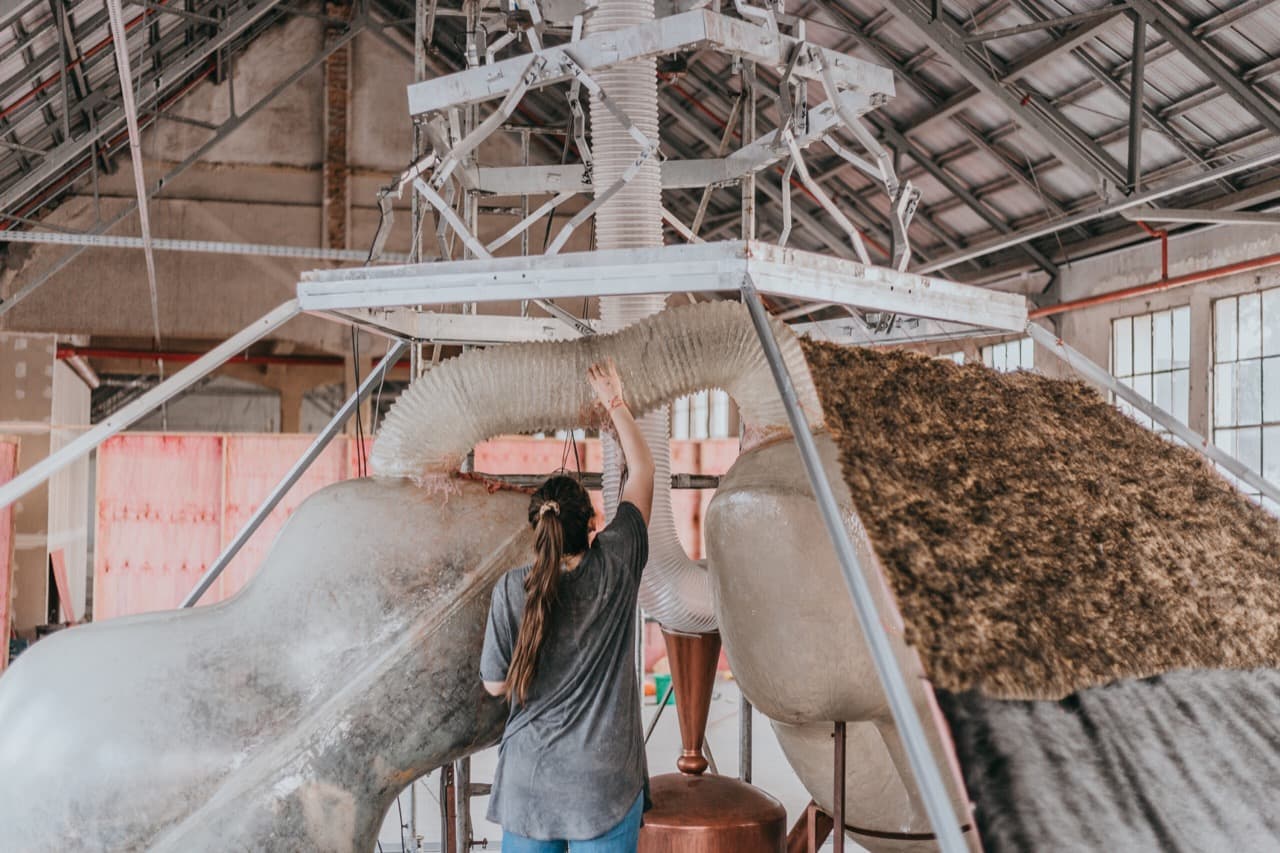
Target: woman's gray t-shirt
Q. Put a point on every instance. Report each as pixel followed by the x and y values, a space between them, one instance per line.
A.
pixel 572 758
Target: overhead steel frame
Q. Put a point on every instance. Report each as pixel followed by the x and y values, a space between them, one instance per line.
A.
pixel 233 123
pixel 53 163
pixel 839 76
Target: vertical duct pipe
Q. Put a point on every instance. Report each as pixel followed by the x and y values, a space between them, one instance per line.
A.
pixel 675 591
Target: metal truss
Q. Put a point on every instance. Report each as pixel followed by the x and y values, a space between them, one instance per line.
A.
pixel 852 88
pixel 177 50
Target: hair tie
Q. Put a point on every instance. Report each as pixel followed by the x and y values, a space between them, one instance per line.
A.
pixel 549 506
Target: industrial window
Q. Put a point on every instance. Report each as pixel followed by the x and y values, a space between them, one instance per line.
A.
pixel 701 415
pixel 957 356
pixel 1010 355
pixel 1151 353
pixel 1246 380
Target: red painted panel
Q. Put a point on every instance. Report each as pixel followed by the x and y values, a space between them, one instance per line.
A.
pixel 8 468
pixel 684 502
pixel 255 463
pixel 159 508
pixel 355 457
pixel 717 455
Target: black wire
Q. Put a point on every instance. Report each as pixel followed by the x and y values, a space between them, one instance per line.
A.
pixel 403 846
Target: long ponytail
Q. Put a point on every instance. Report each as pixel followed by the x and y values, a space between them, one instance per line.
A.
pixel 560 513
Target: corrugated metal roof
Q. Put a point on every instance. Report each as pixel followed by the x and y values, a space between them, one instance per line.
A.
pixel 1018 172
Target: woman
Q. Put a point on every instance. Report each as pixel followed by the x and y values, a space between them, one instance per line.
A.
pixel 559 645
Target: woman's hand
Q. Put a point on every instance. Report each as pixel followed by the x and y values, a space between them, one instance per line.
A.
pixel 606 383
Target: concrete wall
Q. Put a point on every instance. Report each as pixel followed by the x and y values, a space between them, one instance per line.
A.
pixel 26 403
pixel 1089 330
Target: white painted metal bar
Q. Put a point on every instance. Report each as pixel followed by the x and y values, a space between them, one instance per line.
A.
pixel 1102 378
pixel 756 155
pixel 461 329
pixel 1198 216
pixel 171 387
pixel 691 268
pixel 295 472
pixel 700 28
pixel 928 777
pixel 212 247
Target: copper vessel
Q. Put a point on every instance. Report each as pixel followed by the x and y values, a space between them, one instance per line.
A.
pixel 692 812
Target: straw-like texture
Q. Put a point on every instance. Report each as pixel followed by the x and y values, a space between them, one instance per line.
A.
pixel 1039 541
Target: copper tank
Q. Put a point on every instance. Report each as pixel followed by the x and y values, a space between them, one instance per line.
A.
pixel 696 813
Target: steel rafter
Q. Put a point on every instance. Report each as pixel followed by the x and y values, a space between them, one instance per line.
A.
pixel 1208 62
pixel 68 152
pixel 1058 135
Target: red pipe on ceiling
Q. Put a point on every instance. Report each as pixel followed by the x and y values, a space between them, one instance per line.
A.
pixel 1162 284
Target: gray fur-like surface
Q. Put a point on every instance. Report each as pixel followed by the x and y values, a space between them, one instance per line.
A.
pixel 1187 761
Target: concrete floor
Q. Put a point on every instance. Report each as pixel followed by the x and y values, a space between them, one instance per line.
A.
pixel 770 771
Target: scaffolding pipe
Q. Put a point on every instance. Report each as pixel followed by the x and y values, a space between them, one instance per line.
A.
pixel 295 472
pixel 130 414
pixel 928 777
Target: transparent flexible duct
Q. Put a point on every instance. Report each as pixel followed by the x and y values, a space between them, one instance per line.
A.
pixel 541 386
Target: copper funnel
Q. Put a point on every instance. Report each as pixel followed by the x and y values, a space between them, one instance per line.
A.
pixel 693 813
pixel 693 659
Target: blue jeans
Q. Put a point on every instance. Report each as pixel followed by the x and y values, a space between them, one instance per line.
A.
pixel 623 838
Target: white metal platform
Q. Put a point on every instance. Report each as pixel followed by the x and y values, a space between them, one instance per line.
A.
pixel 369 294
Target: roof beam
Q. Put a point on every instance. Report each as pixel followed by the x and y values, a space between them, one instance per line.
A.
pixel 1060 44
pixel 71 150
pixel 1054 132
pixel 1200 216
pixel 900 142
pixel 1200 55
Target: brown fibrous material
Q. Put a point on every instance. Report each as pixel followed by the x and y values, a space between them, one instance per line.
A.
pixel 1038 540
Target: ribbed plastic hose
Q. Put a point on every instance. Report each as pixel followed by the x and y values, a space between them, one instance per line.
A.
pixel 540 386
pixel 675 590
pixel 536 386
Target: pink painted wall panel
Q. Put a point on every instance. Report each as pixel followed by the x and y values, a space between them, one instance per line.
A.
pixel 159 519
pixel 254 464
pixel 355 456
pixel 8 468
pixel 684 502
pixel 167 504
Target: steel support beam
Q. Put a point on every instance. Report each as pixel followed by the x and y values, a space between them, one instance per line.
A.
pixel 1102 378
pixel 1208 62
pixel 295 472
pixel 924 766
pixel 946 38
pixel 1137 82
pixel 1202 216
pixel 212 247
pixel 165 391
pixel 1146 197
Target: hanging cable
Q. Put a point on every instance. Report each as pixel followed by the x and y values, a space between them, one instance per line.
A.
pixel 115 15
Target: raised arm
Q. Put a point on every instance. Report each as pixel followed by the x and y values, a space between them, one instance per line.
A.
pixel 639 487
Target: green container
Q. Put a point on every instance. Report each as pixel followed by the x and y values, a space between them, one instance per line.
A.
pixel 660 685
